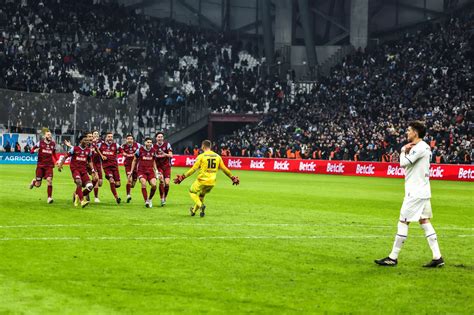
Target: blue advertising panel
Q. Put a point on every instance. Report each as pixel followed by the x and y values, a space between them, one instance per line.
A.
pixel 18 158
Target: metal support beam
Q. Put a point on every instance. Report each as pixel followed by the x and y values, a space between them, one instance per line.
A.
pixel 308 32
pixel 328 23
pixel 359 23
pixel 330 19
pixel 225 15
pixel 143 4
pixel 420 9
pixel 201 16
pixel 171 8
pixel 249 27
pixel 337 39
pixel 267 31
pixel 376 9
pixel 342 11
pixel 200 13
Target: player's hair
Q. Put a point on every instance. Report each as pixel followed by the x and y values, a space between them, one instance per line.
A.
pixel 159 133
pixel 95 130
pixel 81 137
pixel 109 133
pixel 146 139
pixel 87 133
pixel 129 135
pixel 419 127
pixel 207 144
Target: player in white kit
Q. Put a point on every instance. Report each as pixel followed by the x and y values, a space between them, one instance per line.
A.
pixel 415 158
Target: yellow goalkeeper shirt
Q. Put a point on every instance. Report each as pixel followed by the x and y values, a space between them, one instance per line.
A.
pixel 208 164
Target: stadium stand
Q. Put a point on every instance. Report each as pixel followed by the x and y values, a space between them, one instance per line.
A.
pixel 359 110
pixel 112 58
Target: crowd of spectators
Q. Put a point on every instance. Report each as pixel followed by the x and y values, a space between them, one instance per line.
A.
pixel 361 110
pixel 99 49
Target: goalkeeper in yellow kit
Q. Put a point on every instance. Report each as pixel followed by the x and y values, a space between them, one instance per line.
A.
pixel 208 164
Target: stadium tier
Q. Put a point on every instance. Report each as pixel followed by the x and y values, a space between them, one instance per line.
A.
pixel 236 156
pixel 130 73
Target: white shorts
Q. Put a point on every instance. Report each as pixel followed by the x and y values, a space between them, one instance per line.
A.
pixel 414 209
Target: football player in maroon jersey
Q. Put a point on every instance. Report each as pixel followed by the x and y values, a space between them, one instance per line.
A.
pixel 163 163
pixel 145 162
pixel 81 159
pixel 46 159
pixel 97 161
pixel 128 149
pixel 109 150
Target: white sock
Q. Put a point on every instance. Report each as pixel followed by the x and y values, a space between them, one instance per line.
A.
pixel 432 239
pixel 400 238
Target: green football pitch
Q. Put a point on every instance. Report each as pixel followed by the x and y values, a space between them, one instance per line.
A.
pixel 278 243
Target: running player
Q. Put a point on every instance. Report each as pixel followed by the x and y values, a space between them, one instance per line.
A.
pixel 109 150
pixel 144 161
pixel 415 158
pixel 208 164
pixel 97 161
pixel 46 159
pixel 81 159
pixel 163 162
pixel 128 149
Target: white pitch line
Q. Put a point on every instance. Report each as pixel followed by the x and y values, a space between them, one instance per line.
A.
pixel 161 238
pixel 212 224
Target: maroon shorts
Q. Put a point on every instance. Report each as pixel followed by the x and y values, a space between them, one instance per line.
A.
pixel 147 175
pixel 44 172
pixel 112 172
pixel 166 171
pixel 134 173
pixel 82 175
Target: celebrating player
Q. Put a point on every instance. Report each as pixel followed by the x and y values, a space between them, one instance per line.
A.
pixel 144 161
pixel 97 161
pixel 163 162
pixel 81 159
pixel 208 164
pixel 109 150
pixel 415 158
pixel 46 159
pixel 128 149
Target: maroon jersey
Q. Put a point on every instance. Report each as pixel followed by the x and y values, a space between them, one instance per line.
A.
pixel 145 159
pixel 128 152
pixel 110 151
pixel 165 147
pixel 46 153
pixel 80 157
pixel 95 155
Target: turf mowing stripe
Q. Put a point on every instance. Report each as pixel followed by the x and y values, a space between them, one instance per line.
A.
pixel 157 238
pixel 213 224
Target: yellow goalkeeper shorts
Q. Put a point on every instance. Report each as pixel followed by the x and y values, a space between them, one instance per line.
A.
pixel 198 188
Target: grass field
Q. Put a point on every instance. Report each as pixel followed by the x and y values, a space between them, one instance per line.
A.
pixel 278 243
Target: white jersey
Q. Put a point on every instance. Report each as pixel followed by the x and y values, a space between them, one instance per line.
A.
pixel 417 171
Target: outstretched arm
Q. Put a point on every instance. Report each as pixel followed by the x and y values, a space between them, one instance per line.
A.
pixel 235 179
pixel 34 148
pixel 194 168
